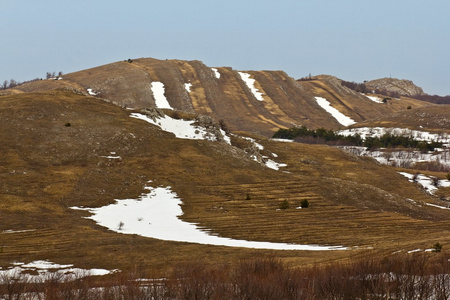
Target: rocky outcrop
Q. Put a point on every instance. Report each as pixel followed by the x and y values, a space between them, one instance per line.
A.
pixel 400 86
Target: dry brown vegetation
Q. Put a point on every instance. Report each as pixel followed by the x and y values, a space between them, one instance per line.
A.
pixel 53 155
pixel 287 102
pixel 416 276
pixel 47 167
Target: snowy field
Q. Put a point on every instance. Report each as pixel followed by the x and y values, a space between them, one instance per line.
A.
pixel 340 117
pixel 251 85
pixel 415 134
pixel 45 269
pixel 155 215
pixel 426 182
pixel 399 158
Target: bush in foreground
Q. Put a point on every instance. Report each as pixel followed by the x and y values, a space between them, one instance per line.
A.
pixel 412 276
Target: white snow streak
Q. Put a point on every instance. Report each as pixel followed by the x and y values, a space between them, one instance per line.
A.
pixel 158 93
pixel 437 206
pixel 374 99
pixel 251 85
pixel 155 215
pixel 340 117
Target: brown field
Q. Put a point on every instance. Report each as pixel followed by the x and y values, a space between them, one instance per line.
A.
pixel 52 145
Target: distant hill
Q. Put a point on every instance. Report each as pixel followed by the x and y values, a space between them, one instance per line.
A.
pixel 224 94
pixel 400 86
pixel 393 87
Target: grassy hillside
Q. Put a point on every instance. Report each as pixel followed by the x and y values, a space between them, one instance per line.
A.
pixel 286 102
pixel 54 155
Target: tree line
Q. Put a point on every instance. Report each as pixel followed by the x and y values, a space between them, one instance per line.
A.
pixel 12 83
pixel 324 136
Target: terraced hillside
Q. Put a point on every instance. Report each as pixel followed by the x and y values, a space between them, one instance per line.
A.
pixel 62 149
pixel 225 94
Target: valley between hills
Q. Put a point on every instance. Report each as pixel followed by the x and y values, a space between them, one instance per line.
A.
pixel 172 130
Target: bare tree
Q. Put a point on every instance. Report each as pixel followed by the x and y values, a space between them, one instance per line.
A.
pixel 13 83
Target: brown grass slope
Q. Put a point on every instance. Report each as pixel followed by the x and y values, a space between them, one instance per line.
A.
pixel 47 166
pixel 432 118
pixel 286 103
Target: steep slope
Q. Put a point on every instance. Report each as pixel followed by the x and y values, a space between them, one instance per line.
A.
pixel 252 101
pixel 61 149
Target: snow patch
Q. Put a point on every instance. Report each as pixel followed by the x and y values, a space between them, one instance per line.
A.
pixel 427 183
pixel 188 86
pixel 273 165
pixel 47 270
pixel 158 93
pixel 340 117
pixel 91 92
pixel 181 128
pixel 267 162
pixel 251 85
pixel 415 134
pixel 155 215
pixel 216 73
pixel 400 158
pixel 374 99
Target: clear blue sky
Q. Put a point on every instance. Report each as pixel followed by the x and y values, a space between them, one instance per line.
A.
pixel 354 40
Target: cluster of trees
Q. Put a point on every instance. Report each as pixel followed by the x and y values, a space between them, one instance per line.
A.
pixel 362 88
pixel 434 99
pixel 319 136
pixel 393 141
pixel 324 136
pixel 13 83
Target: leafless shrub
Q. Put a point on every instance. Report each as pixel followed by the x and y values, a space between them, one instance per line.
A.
pixel 408 276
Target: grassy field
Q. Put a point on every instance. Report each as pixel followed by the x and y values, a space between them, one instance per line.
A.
pixel 54 148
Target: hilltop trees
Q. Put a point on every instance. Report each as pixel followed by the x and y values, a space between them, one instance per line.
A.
pixel 13 83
